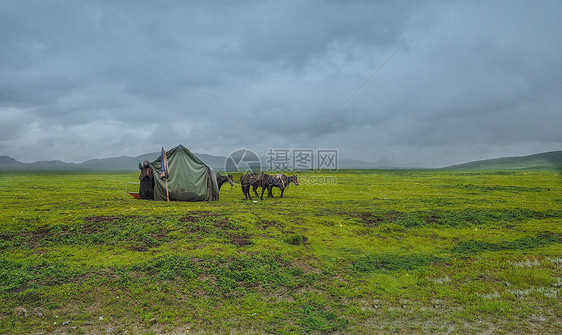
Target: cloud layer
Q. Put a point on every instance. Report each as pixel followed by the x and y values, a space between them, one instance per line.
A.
pixel 91 81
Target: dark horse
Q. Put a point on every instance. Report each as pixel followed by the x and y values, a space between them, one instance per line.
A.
pixel 292 179
pixel 267 182
pixel 247 180
pixel 222 179
pixel 288 180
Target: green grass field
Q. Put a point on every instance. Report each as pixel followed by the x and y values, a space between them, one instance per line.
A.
pixel 363 252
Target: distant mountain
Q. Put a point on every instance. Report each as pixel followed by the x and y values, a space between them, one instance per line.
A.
pixel 125 163
pixel 122 163
pixel 50 166
pixel 7 162
pixel 543 161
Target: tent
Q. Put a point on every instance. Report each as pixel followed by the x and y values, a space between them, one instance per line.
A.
pixel 190 179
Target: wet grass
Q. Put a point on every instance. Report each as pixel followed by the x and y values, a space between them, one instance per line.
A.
pixel 369 252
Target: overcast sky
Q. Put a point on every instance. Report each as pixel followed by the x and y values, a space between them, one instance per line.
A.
pixel 475 80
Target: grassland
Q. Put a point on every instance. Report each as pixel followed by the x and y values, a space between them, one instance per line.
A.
pixel 367 252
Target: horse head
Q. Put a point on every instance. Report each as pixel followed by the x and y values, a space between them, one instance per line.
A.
pixel 294 179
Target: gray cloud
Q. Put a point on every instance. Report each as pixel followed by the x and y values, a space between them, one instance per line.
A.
pixel 87 81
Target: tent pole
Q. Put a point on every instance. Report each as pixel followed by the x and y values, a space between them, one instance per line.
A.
pixel 167 193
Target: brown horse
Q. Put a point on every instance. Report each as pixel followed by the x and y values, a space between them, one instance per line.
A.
pixel 288 180
pixel 267 182
pixel 247 180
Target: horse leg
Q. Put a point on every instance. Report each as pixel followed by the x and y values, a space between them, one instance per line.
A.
pixel 262 189
pixel 270 191
pixel 282 190
pixel 255 191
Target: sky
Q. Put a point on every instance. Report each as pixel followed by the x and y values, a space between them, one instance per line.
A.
pixel 418 83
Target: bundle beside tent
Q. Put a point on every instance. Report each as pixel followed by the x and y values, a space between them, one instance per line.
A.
pixel 189 178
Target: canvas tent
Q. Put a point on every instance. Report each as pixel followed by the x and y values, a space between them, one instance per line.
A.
pixel 190 179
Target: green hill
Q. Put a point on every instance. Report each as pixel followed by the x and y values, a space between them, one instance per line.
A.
pixel 543 161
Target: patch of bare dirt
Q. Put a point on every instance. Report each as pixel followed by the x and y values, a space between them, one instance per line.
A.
pixel 222 223
pixel 268 223
pixel 239 239
pixel 31 238
pixel 306 266
pixel 372 219
pixel 137 248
